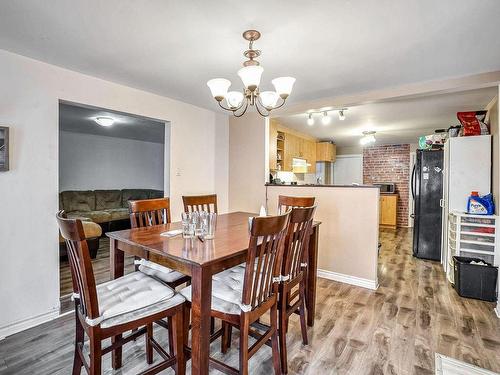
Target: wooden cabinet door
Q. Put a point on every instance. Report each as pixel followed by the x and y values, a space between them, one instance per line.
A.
pixel 325 151
pixel 310 155
pixel 291 151
pixel 388 210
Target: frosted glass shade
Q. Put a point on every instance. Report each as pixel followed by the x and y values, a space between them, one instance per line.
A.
pixel 269 99
pixel 283 86
pixel 367 139
pixel 219 87
pixel 234 99
pixel 250 75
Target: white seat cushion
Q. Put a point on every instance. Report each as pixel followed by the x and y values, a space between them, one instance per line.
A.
pixel 158 271
pixel 132 297
pixel 227 291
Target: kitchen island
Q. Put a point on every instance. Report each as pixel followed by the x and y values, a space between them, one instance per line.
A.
pixel 348 238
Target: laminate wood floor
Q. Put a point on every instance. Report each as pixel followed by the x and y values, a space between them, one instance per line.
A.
pixel 394 330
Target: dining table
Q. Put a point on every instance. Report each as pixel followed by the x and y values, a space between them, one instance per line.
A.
pixel 201 259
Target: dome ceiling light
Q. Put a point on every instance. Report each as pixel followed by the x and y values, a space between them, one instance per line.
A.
pixel 368 138
pixel 238 101
pixel 105 121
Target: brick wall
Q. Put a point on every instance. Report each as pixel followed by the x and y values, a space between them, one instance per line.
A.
pixel 390 163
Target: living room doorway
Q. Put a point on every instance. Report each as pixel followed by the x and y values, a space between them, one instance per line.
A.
pixel 106 158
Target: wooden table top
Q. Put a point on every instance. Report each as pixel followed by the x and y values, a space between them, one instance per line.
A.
pixel 231 239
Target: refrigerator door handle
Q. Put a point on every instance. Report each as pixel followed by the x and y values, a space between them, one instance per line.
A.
pixel 441 203
pixel 413 181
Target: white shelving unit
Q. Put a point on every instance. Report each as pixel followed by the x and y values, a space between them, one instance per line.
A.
pixel 475 236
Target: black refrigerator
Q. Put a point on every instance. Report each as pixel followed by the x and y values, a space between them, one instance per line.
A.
pixel 427 192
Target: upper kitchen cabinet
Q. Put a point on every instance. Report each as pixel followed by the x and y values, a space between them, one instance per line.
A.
pixel 287 144
pixel 326 151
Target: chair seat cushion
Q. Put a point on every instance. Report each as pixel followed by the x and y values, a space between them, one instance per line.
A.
pixel 227 291
pixel 132 297
pixel 91 230
pixel 158 271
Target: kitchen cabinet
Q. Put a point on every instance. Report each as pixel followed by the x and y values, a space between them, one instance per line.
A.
pixel 273 146
pixel 325 151
pixel 309 152
pixel 388 210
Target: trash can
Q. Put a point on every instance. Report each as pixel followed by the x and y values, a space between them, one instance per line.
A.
pixel 474 280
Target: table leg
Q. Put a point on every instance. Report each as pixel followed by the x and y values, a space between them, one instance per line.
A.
pixel 312 263
pixel 117 268
pixel 201 301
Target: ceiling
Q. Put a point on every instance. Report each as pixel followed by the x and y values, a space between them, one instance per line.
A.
pixel 395 121
pixel 80 119
pixel 332 47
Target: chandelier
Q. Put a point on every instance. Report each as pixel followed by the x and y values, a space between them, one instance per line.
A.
pixel 238 101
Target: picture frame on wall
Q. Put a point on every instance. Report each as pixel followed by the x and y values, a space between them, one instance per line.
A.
pixel 4 148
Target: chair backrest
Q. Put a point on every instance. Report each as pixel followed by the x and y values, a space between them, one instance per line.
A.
pixel 286 203
pixel 200 203
pixel 297 241
pixel 149 212
pixel 82 274
pixel 264 259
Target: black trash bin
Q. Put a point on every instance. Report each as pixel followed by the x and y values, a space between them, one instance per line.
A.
pixel 474 280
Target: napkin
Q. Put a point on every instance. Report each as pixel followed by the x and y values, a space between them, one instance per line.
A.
pixel 171 233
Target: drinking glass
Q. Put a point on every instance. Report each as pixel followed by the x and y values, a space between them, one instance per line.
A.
pixel 200 220
pixel 210 225
pixel 188 225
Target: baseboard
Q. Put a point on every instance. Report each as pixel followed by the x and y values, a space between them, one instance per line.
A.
pixel 24 324
pixel 347 279
pixel 449 366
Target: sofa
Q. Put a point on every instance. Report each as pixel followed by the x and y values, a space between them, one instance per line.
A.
pixel 108 208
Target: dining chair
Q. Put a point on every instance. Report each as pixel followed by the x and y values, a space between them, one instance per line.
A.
pixel 286 203
pixel 294 270
pixel 243 294
pixel 146 213
pixel 131 302
pixel 200 203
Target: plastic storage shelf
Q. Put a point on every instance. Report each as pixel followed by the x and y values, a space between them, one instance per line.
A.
pixel 474 236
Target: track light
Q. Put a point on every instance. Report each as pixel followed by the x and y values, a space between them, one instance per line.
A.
pixel 341 115
pixel 310 120
pixel 325 120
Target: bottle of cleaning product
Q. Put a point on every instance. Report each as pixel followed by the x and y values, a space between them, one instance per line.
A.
pixel 480 205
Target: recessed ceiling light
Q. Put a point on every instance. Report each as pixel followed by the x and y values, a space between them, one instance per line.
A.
pixel 105 121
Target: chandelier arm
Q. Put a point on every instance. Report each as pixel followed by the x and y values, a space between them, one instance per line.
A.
pixel 244 110
pixel 257 102
pixel 282 103
pixel 224 108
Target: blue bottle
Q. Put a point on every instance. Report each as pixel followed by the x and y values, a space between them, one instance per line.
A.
pixel 480 205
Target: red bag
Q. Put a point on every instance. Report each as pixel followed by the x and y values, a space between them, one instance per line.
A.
pixel 473 123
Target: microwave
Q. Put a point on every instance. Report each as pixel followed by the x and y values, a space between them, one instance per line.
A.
pixel 387 188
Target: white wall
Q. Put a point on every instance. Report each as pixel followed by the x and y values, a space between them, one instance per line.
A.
pixel 29 98
pixel 91 162
pixel 247 162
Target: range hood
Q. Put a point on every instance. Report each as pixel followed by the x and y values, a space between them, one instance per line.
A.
pixel 299 165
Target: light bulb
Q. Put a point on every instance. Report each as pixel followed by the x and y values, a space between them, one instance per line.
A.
pixel 105 121
pixel 368 137
pixel 234 99
pixel 310 120
pixel 269 99
pixel 341 115
pixel 219 87
pixel 325 120
pixel 283 86
pixel 250 75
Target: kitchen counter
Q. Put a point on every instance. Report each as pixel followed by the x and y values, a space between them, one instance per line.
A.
pixel 348 237
pixel 323 185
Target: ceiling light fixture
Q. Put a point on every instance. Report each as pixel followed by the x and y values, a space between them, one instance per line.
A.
pixel 368 137
pixel 325 120
pixel 238 102
pixel 105 121
pixel 310 120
